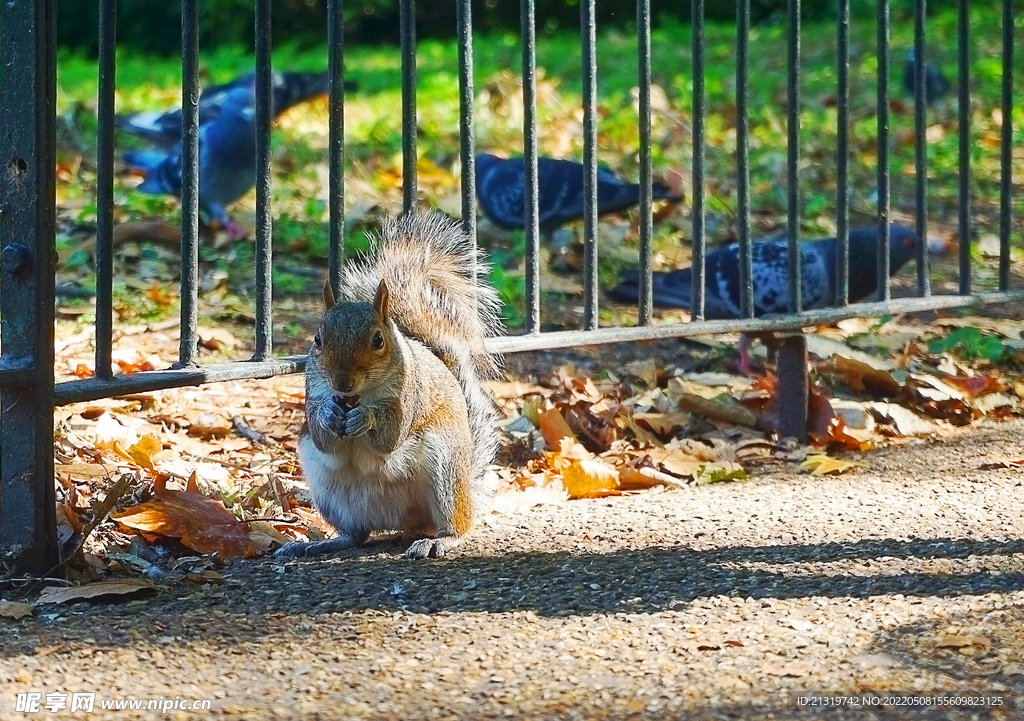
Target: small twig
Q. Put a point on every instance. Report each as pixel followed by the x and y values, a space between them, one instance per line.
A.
pixel 101 509
pixel 245 431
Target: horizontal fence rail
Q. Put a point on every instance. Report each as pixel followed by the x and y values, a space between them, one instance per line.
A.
pixel 27 131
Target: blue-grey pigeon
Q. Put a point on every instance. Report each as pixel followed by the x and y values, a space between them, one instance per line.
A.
pixel 287 90
pixel 227 161
pixel 935 83
pixel 770 275
pixel 501 188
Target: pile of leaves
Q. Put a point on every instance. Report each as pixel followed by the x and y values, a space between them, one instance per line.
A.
pixel 169 484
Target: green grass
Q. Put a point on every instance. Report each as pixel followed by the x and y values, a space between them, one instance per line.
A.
pixel 372 126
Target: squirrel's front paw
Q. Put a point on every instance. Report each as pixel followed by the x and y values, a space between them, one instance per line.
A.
pixel 339 412
pixel 355 422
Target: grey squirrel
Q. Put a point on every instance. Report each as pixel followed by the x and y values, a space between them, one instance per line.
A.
pixel 399 429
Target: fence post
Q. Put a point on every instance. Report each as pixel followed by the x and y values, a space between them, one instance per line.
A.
pixel 28 534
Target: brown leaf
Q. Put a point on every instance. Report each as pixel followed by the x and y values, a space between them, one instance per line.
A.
pixel 15 609
pixel 117 587
pixel 861 376
pixel 203 524
pixel 554 427
pixel 976 386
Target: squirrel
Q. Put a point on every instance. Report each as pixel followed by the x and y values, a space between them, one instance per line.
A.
pixel 399 429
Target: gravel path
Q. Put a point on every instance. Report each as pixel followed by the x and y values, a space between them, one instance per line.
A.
pixel 902 582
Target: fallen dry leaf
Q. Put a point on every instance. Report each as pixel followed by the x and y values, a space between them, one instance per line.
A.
pixel 203 524
pixel 117 587
pixel 819 464
pixel 554 427
pixel 587 478
pixel 15 609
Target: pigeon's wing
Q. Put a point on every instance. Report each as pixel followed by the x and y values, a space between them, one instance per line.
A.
pixel 227 159
pixel 500 192
pixel 560 187
pixel 818 273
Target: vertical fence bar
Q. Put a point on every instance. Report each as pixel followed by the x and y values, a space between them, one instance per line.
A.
pixel 743 157
pixel 643 44
pixel 1006 150
pixel 467 139
pixel 698 213
pixel 921 148
pixel 408 20
pixel 188 353
pixel 588 29
pixel 883 150
pixel 964 114
pixel 336 141
pixel 794 386
pixel 105 187
pixel 531 204
pixel 793 380
pixel 28 531
pixel 264 251
pixel 843 154
pixel 793 151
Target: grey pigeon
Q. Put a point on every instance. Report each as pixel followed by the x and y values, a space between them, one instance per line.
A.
pixel 770 274
pixel 935 83
pixel 287 90
pixel 501 188
pixel 227 161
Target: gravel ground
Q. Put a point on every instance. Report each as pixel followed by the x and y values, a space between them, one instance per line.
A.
pixel 901 583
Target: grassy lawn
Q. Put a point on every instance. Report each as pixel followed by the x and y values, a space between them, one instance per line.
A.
pixel 373 153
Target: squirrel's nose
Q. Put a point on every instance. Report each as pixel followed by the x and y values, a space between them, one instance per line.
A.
pixel 343 383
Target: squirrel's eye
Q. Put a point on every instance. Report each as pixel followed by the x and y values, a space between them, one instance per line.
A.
pixel 318 342
pixel 378 341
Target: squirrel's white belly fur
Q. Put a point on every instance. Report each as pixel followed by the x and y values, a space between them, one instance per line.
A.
pixel 355 487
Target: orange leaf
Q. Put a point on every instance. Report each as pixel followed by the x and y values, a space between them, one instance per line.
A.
pixel 587 478
pixel 554 428
pixel 976 386
pixel 201 523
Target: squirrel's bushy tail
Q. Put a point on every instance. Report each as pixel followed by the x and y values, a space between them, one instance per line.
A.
pixel 438 296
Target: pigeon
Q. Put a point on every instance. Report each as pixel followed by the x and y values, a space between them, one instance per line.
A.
pixel 935 83
pixel 501 190
pixel 227 161
pixel 287 90
pixel 770 271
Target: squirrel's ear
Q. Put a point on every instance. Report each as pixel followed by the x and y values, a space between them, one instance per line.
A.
pixel 380 301
pixel 328 295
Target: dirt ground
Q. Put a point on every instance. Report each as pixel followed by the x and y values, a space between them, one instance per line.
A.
pixel 893 592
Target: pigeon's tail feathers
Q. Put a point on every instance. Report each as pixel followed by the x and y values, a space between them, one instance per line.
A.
pixel 670 289
pixel 153 125
pixel 660 191
pixel 144 159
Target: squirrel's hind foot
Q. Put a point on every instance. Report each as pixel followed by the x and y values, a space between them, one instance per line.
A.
pixel 432 547
pixel 300 549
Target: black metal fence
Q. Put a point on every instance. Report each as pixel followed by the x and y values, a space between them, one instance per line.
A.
pixel 27 231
